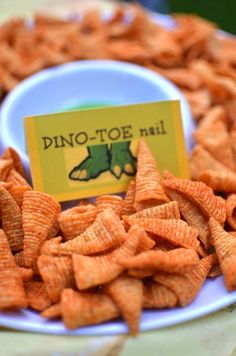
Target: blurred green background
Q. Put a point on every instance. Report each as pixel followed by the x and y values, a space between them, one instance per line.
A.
pixel 223 12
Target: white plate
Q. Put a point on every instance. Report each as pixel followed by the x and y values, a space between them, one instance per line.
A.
pixel 213 297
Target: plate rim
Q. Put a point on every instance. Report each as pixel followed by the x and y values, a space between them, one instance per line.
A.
pixel 117 327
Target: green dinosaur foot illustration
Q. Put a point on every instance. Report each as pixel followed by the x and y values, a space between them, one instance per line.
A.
pixel 91 167
pixel 122 160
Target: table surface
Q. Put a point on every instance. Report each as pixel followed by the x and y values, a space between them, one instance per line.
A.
pixel 210 335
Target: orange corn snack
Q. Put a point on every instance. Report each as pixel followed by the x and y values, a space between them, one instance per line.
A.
pixel 12 293
pixel 11 154
pixel 156 296
pixel 18 191
pixel 26 274
pixel 219 180
pixel 76 220
pixel 106 232
pixel 176 231
pixel 233 136
pixel 54 231
pixel 19 259
pixel 215 270
pixel 5 185
pixel 164 245
pixel 52 312
pixel 11 220
pixel 217 141
pixel 226 54
pixel 202 252
pixel 225 245
pixel 204 167
pixel 39 213
pixel 16 178
pixel 199 101
pixel 84 202
pixel 183 77
pixel 201 194
pixel 194 33
pixel 51 247
pixel 80 309
pixel 141 273
pixel 128 207
pixel 125 50
pixel 146 243
pixel 214 115
pixel 57 274
pixel 220 87
pixel 91 271
pixel 5 167
pixel 127 293
pixel 148 190
pixel 168 53
pixel 164 211
pixel 186 286
pixel 231 210
pixel 36 295
pixel 193 216
pixel 170 261
pixel 92 20
pixel 201 160
pixel 114 202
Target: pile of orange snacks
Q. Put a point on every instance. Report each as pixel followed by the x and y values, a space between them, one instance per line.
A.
pixel 154 248
pixel 115 257
pixel 195 55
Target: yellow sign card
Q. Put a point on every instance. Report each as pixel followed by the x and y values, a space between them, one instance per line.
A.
pixel 85 153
